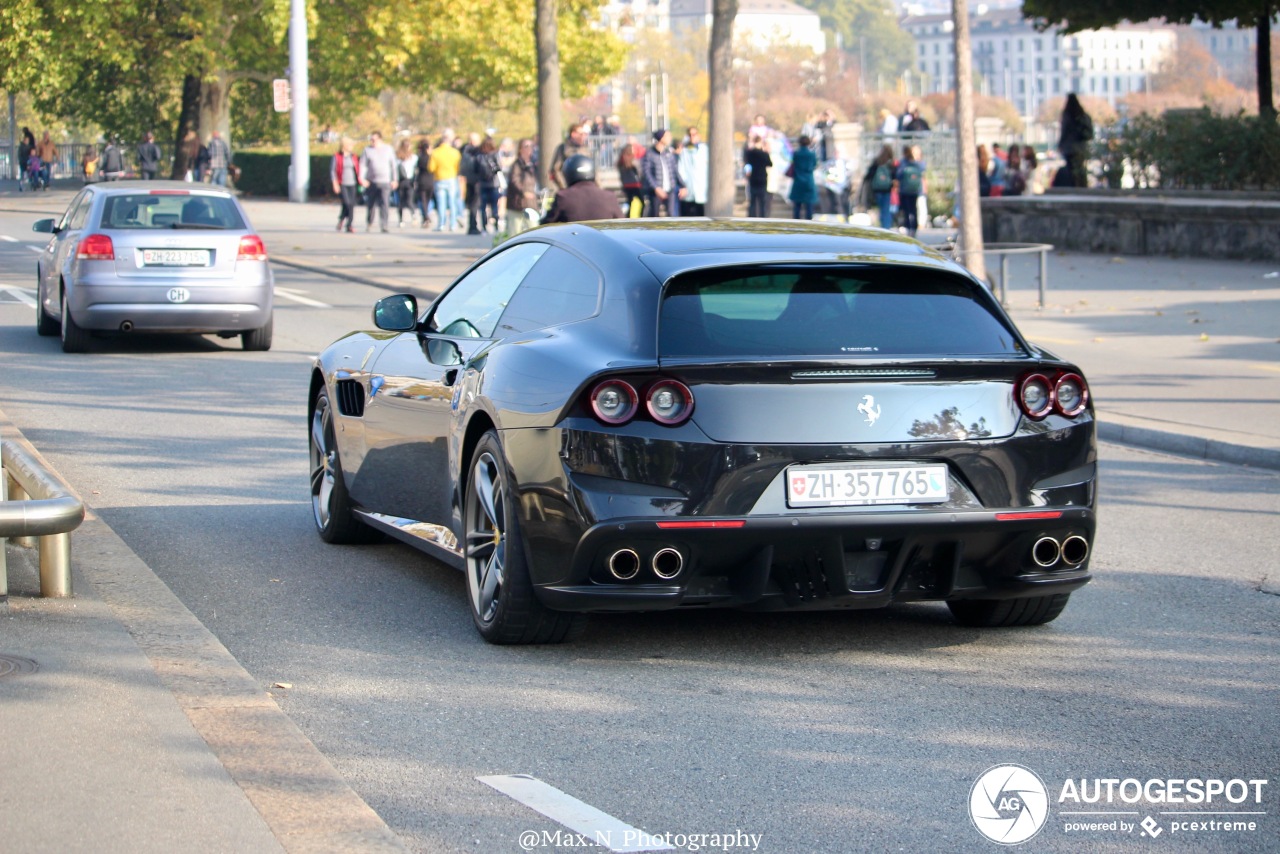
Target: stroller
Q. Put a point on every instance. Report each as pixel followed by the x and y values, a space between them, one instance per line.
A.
pixel 35 171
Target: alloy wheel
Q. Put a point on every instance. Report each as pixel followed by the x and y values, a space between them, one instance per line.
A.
pixel 486 538
pixel 323 460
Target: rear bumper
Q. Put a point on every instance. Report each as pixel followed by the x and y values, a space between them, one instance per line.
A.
pixel 863 560
pixel 210 305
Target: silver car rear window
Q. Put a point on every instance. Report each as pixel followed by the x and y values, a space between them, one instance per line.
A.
pixel 829 312
pixel 152 211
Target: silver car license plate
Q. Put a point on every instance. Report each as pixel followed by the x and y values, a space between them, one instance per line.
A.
pixel 842 486
pixel 175 257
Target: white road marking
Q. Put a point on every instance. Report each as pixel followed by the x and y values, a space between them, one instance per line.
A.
pixel 22 295
pixel 36 249
pixel 596 826
pixel 8 238
pixel 296 296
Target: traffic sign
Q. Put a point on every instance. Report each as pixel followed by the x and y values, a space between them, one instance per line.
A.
pixel 280 94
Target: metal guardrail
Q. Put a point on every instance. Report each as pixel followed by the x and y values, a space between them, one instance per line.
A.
pixel 1004 250
pixel 39 505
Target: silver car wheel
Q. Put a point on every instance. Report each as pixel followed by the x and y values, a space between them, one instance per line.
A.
pixel 486 538
pixel 323 459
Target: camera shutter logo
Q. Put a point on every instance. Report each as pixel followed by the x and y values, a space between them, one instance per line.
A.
pixel 1008 804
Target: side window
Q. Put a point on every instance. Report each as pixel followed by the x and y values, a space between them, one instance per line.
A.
pixel 473 305
pixel 81 212
pixel 76 204
pixel 559 289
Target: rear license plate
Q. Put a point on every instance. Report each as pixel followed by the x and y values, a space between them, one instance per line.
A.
pixel 844 486
pixel 175 257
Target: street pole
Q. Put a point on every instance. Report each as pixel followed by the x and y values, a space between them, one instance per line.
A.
pixel 967 179
pixel 15 168
pixel 299 118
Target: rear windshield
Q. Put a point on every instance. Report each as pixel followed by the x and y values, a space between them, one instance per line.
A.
pixel 182 211
pixel 846 312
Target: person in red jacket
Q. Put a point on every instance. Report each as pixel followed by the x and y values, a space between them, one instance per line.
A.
pixel 345 174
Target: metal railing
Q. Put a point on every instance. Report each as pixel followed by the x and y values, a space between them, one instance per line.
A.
pixel 70 156
pixel 38 505
pixel 1004 250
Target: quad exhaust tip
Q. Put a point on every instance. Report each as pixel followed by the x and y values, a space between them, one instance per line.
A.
pixel 667 563
pixel 1046 552
pixel 1074 550
pixel 624 564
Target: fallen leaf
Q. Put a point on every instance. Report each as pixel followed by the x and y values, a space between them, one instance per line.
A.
pixel 284 685
pixel 1098 340
pixel 1204 336
pixel 1159 314
pixel 1117 261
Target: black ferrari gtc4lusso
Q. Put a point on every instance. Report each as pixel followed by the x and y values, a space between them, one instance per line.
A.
pixel 643 415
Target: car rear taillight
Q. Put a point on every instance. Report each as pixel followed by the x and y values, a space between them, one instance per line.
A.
pixel 96 247
pixel 1038 395
pixel 614 401
pixel 1035 396
pixel 251 249
pixel 1070 395
pixel 669 402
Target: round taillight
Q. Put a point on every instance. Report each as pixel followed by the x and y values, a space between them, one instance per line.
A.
pixel 614 401
pixel 1035 396
pixel 669 402
pixel 1070 395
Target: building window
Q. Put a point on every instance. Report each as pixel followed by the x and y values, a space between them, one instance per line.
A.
pixel 1105 82
pixel 1022 86
pixel 1020 45
pixel 1039 64
pixel 1022 65
pixel 1057 86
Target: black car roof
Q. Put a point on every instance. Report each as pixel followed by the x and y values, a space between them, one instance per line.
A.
pixel 700 234
pixel 670 247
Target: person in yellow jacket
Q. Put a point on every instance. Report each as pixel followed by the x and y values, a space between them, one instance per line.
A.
pixel 443 165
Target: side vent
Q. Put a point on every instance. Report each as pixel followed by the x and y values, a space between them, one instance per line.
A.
pixel 351 398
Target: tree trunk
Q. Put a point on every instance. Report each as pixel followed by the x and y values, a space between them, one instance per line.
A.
pixel 544 35
pixel 1266 97
pixel 188 120
pixel 966 142
pixel 721 190
pixel 215 106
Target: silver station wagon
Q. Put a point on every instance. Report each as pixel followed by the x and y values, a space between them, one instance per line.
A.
pixel 153 256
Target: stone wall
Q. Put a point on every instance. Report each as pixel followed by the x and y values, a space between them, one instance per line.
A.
pixel 1192 226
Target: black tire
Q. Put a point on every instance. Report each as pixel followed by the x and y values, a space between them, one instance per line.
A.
pixel 999 613
pixel 258 340
pixel 45 325
pixel 330 504
pixel 74 339
pixel 504 606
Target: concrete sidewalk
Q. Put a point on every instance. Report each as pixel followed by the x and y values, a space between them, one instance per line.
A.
pixel 128 727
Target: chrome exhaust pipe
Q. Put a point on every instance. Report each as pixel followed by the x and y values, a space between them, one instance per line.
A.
pixel 1075 549
pixel 127 326
pixel 1046 552
pixel 667 563
pixel 624 564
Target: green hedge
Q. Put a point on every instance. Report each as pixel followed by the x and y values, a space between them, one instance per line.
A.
pixel 267 174
pixel 1196 150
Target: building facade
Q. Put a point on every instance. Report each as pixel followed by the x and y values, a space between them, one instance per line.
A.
pixel 1012 60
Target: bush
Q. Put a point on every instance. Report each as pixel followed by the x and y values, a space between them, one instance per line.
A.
pixel 1197 150
pixel 267 174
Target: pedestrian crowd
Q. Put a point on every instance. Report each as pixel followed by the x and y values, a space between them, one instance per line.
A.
pixel 209 161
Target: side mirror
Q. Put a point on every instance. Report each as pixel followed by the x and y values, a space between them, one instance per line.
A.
pixel 397 313
pixel 44 226
pixel 443 352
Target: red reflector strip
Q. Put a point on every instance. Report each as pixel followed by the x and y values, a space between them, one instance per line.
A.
pixel 721 523
pixel 1034 514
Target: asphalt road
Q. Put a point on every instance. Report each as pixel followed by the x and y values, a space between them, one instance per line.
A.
pixel 860 731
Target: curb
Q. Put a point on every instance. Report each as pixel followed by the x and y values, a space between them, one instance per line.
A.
pixel 304 801
pixel 1187 445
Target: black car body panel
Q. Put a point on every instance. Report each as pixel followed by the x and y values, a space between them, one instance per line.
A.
pixel 713 489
